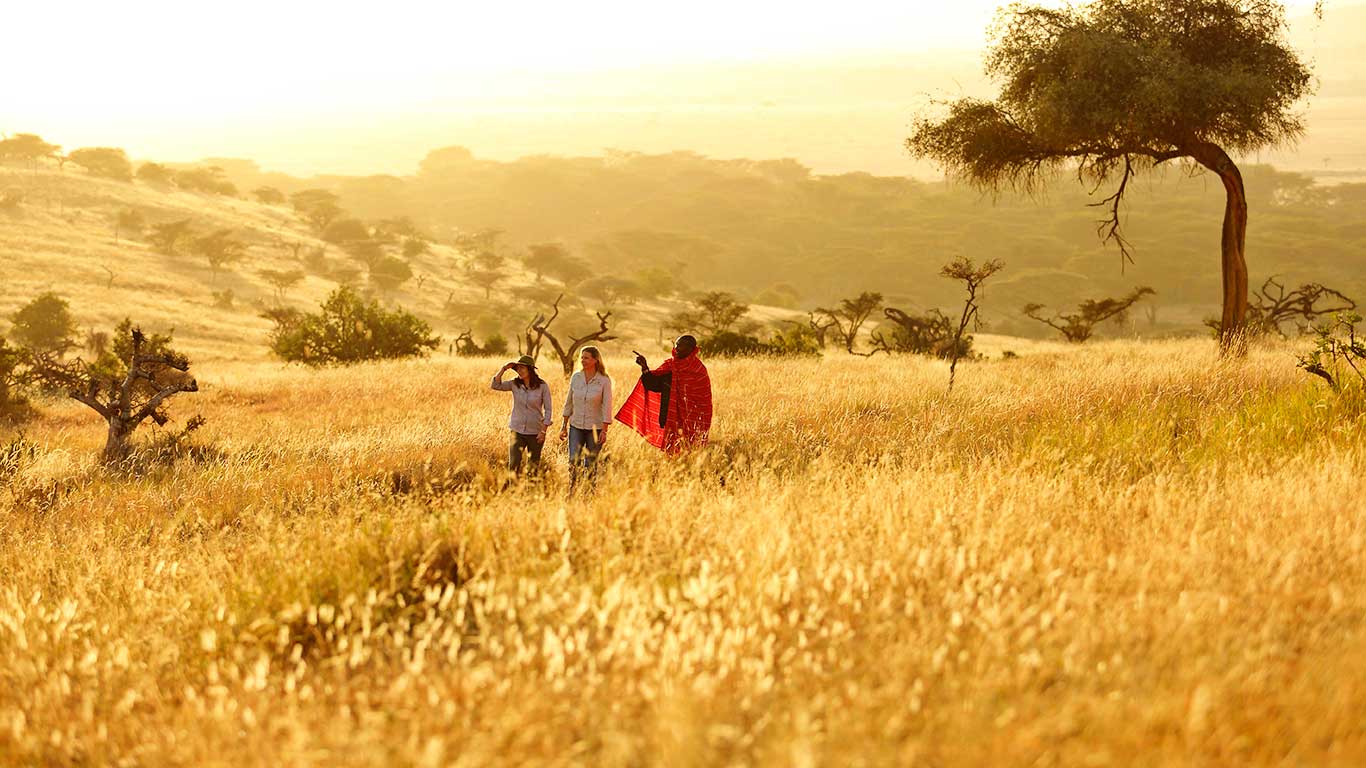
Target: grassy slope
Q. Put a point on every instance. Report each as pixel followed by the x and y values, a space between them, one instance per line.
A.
pixel 62 239
pixel 1130 553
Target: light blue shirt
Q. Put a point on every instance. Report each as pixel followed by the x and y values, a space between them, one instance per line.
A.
pixel 530 407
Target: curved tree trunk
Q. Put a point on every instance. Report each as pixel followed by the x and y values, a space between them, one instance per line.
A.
pixel 1232 323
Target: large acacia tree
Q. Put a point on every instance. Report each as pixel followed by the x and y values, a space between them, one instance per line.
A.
pixel 1117 86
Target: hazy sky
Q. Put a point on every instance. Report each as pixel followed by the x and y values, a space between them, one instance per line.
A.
pixel 183 79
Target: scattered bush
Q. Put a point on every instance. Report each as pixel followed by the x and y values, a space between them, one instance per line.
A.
pixel 45 325
pixel 846 319
pixel 609 290
pixel 797 341
pixel 13 405
pixel 281 280
pixel 343 231
pixel 129 221
pixel 167 237
pixel 269 195
pixel 465 345
pixel 27 147
pixel 415 246
pixel 126 385
pixel 1339 355
pixel 220 248
pixel 155 174
pixel 1078 326
pixel 486 269
pixel 929 334
pixel 208 180
pixel 105 162
pixel 496 344
pixel 387 273
pixel 348 330
pixel 711 314
pixel 318 206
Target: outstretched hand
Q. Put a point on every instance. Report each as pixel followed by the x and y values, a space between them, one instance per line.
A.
pixel 640 361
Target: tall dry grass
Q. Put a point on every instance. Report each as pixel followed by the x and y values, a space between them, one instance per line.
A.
pixel 1129 554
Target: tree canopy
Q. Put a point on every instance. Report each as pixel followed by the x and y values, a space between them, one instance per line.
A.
pixel 1115 86
pixel 348 330
pixel 107 162
pixel 28 147
pixel 45 324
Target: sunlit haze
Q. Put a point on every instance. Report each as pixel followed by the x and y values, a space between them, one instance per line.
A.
pixel 305 86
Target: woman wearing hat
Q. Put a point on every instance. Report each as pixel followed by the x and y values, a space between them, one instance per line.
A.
pixel 530 412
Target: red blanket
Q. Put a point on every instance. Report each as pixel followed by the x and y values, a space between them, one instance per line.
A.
pixel 689 417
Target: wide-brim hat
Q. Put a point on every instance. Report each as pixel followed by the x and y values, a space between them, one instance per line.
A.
pixel 526 360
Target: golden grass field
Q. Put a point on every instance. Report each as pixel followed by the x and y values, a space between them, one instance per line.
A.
pixel 1122 554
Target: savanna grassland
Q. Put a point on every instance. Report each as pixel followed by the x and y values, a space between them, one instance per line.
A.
pixel 1124 554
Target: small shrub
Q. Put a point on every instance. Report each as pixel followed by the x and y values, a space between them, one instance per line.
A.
pixel 465 345
pixel 930 334
pixel 497 344
pixel 797 341
pixel 207 180
pixel 1339 354
pixel 348 330
pixel 105 162
pixel 13 406
pixel 1078 326
pixel 155 173
pixel 45 324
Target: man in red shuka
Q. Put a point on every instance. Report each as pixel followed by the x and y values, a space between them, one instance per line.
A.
pixel 671 405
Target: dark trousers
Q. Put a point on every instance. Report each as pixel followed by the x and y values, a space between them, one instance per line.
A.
pixel 524 444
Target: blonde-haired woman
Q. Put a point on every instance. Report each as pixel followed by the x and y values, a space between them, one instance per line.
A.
pixel 587 414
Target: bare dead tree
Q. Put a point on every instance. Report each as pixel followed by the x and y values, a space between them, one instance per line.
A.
pixel 293 246
pixel 929 334
pixel 1078 326
pixel 108 283
pixel 127 393
pixel 1273 305
pixel 848 318
pixel 972 277
pixel 535 330
pixel 465 344
pixel 540 329
pixel 820 326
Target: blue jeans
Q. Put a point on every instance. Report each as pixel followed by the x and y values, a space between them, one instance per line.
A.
pixel 584 448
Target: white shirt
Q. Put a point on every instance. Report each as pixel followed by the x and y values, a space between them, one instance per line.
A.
pixel 589 403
